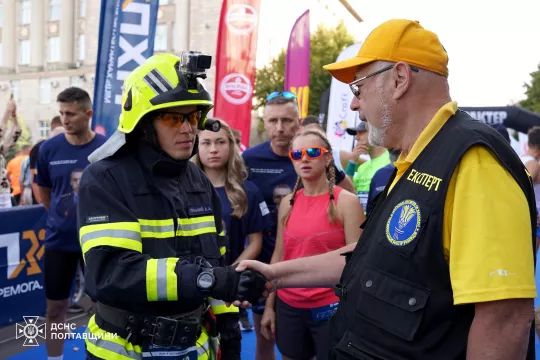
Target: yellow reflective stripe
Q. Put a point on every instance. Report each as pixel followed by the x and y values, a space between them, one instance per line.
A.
pixel 209 230
pixel 151 280
pixel 219 307
pixel 105 345
pixel 161 280
pixel 196 226
pixel 223 250
pixel 172 280
pixel 158 229
pixel 204 350
pixel 133 226
pixel 222 233
pixel 196 220
pixel 120 234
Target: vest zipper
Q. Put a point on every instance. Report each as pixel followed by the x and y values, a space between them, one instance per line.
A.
pixel 340 291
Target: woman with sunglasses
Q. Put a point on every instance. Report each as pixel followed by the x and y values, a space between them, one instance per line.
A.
pixel 317 217
pixel 243 208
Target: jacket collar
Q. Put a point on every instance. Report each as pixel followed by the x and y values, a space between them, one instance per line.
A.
pixel 157 162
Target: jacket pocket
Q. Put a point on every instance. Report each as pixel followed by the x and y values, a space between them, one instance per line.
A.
pixel 391 303
pixel 348 349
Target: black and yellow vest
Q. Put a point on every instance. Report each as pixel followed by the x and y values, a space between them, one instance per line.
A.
pixel 395 290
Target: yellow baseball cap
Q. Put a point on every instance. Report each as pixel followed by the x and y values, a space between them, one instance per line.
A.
pixel 396 40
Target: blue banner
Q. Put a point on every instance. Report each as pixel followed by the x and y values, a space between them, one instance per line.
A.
pixel 22 235
pixel 126 38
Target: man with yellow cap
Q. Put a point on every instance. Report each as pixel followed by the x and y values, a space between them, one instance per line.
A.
pixel 444 266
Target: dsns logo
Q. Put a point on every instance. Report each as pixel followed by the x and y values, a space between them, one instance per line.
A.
pixel 403 224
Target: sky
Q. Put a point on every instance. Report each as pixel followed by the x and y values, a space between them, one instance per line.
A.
pixel 493 46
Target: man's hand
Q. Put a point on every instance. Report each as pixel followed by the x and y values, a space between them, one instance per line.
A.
pixel 360 149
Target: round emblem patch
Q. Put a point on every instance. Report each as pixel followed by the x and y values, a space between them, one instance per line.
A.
pixel 403 224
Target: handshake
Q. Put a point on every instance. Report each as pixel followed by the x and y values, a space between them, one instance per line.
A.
pixel 222 283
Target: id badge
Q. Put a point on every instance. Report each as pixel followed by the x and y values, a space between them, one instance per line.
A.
pixel 324 313
pixel 169 352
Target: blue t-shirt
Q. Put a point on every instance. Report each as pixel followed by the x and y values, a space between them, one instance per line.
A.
pixel 59 168
pixel 377 184
pixel 274 175
pixel 254 220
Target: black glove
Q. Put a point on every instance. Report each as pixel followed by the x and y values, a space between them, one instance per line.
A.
pixel 251 286
pixel 226 284
pixel 187 280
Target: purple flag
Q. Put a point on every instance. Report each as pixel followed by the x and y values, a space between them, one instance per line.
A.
pixel 298 61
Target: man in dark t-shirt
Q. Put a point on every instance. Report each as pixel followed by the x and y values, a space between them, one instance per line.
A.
pixel 56 129
pixel 60 160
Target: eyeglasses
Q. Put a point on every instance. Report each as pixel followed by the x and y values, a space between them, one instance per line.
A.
pixel 174 119
pixel 355 85
pixel 311 152
pixel 287 95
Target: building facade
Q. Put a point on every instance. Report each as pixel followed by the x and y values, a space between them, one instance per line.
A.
pixel 48 45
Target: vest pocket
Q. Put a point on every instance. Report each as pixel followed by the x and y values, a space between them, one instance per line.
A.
pixel 391 303
pixel 349 349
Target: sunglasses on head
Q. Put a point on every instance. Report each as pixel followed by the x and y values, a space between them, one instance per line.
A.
pixel 174 119
pixel 287 95
pixel 310 152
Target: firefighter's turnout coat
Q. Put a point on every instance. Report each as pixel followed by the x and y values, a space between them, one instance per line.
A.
pixel 141 216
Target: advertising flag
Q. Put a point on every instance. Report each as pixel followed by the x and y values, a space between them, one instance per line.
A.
pixel 235 63
pixel 126 38
pixel 340 115
pixel 297 63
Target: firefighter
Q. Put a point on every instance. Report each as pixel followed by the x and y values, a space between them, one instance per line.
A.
pixel 151 230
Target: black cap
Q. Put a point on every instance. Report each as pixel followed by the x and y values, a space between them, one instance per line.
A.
pixel 360 127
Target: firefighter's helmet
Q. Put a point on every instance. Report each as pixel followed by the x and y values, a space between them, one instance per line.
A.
pixel 162 81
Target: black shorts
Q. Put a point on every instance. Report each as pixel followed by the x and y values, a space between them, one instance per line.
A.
pixel 59 268
pixel 298 336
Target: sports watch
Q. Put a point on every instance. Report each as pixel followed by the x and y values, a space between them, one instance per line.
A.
pixel 206 279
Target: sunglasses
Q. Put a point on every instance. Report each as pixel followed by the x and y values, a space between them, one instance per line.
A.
pixel 311 152
pixel 287 95
pixel 355 85
pixel 174 119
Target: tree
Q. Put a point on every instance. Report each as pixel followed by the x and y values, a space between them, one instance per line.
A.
pixel 326 44
pixel 532 102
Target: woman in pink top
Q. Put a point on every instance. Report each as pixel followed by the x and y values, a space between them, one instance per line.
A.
pixel 316 218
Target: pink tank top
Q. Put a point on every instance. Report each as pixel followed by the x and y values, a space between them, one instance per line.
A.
pixel 308 233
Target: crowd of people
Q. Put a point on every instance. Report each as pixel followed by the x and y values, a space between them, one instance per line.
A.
pixel 175 220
